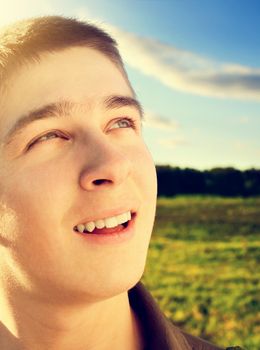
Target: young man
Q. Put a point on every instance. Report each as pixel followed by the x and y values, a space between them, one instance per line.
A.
pixel 77 196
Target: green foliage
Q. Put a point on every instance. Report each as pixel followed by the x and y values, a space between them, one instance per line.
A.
pixel 203 267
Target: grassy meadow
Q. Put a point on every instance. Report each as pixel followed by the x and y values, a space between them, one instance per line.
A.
pixel 203 267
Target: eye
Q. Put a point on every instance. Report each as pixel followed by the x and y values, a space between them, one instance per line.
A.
pixel 124 123
pixel 46 137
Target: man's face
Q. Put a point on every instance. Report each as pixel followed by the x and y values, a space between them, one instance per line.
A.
pixel 93 164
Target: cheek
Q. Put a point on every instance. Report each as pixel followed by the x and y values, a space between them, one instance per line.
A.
pixel 146 172
pixel 37 196
pixel 8 224
pixel 146 181
pixel 32 208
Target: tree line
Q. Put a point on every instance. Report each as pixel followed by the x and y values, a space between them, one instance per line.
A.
pixel 218 181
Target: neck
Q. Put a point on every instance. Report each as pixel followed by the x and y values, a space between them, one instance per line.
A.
pixel 103 325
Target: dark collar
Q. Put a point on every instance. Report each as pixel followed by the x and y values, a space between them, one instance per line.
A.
pixel 159 333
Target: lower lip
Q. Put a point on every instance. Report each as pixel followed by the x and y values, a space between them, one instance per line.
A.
pixel 111 238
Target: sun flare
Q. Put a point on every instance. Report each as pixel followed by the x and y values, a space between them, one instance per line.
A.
pixel 14 10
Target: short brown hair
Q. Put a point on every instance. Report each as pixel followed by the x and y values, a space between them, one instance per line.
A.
pixel 26 40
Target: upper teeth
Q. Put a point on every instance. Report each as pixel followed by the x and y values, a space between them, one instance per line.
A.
pixel 113 221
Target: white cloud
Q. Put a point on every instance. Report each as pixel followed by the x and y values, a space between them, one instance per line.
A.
pixel 165 126
pixel 187 71
pixel 153 120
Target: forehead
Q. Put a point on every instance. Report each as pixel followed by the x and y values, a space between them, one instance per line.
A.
pixel 81 75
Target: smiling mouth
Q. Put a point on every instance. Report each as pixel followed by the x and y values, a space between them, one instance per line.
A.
pixel 106 226
pixel 105 230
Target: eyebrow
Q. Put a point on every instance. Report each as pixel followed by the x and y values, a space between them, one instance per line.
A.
pixel 64 108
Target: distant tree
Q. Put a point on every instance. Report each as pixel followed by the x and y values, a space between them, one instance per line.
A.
pixel 251 179
pixel 192 181
pixel 168 180
pixel 224 182
pixel 217 181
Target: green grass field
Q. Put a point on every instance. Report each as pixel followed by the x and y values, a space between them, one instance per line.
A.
pixel 203 267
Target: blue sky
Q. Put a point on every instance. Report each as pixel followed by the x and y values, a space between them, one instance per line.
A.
pixel 195 66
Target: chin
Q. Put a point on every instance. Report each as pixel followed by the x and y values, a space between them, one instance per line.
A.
pixel 116 284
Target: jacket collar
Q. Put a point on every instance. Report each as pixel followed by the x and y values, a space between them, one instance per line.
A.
pixel 159 333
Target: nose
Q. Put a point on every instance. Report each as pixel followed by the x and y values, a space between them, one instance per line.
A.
pixel 107 166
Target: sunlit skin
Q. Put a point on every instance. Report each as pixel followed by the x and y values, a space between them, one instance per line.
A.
pixel 57 290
